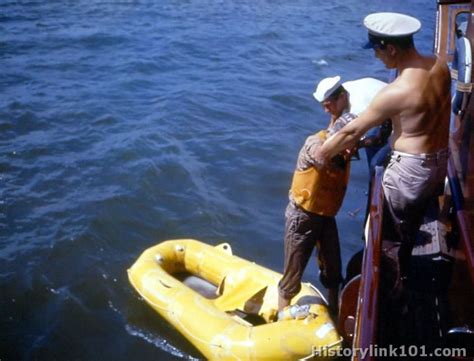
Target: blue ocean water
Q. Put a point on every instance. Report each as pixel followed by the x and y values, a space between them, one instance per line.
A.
pixel 126 123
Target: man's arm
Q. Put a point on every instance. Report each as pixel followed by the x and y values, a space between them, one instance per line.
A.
pixel 378 139
pixel 388 103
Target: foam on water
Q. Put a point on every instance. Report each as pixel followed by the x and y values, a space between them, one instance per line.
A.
pixel 158 342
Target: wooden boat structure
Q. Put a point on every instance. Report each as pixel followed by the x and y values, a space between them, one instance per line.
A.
pixel 443 267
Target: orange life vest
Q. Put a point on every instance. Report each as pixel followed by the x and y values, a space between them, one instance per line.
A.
pixel 320 190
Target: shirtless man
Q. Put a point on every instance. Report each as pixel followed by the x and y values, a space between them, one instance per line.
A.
pixel 418 102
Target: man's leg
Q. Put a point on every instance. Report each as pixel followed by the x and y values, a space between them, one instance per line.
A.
pixel 407 190
pixel 299 244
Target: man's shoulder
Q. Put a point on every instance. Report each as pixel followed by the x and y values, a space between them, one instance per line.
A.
pixel 431 71
pixel 403 80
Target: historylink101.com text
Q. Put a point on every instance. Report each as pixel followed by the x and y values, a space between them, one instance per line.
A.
pixel 390 351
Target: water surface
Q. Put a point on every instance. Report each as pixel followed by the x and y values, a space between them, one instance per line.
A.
pixel 123 124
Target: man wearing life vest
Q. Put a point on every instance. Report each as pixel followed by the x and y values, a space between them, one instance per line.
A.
pixel 316 195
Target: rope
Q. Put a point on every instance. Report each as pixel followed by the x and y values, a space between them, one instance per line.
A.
pixel 454 74
pixel 463 87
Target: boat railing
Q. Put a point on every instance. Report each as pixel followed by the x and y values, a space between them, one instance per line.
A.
pixel 461 159
pixel 462 217
pixel 367 303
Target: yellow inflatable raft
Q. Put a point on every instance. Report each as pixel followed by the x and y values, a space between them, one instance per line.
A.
pixel 235 322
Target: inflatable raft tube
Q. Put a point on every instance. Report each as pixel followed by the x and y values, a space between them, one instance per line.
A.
pixel 236 323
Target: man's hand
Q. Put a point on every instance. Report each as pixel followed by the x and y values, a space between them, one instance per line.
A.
pixel 319 159
pixel 349 153
pixel 368 141
pixel 340 160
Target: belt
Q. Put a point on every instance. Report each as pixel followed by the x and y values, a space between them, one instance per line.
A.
pixel 440 154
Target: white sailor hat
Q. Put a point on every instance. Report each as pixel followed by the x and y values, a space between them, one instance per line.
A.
pixel 326 87
pixel 383 26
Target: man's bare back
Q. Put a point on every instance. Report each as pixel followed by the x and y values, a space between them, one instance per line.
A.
pixel 423 122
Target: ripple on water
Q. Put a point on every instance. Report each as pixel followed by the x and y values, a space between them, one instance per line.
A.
pixel 157 342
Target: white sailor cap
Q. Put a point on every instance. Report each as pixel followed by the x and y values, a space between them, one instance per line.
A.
pixel 326 87
pixel 383 26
